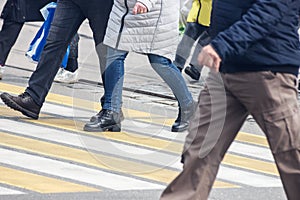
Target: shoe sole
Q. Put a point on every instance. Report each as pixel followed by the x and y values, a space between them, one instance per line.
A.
pixel 13 105
pixel 67 82
pixel 179 129
pixel 112 128
pixel 175 130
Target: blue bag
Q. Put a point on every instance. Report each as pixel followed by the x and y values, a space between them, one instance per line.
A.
pixel 39 41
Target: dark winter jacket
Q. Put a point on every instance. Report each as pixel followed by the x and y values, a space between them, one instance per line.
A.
pixel 256 35
pixel 24 10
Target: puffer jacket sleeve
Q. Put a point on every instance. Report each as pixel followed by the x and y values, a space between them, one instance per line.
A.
pixel 257 23
pixel 148 3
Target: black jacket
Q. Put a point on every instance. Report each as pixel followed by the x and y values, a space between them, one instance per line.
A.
pixel 24 10
pixel 251 35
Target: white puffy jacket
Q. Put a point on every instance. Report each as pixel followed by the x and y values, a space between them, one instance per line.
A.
pixel 154 32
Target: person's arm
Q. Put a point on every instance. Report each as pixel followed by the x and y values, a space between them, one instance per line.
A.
pixel 256 24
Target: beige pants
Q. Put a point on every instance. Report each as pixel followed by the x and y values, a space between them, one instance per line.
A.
pixel 223 107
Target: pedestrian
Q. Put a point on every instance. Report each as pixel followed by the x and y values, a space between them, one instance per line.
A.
pixel 255 48
pixel 198 22
pixel 68 17
pixel 150 28
pixel 15 14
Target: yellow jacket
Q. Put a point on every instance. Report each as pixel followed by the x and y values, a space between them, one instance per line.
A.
pixel 200 12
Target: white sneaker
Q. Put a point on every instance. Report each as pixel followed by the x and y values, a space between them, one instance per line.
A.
pixel 1 71
pixel 64 76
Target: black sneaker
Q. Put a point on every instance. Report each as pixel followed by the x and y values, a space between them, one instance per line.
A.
pixel 22 103
pixel 192 72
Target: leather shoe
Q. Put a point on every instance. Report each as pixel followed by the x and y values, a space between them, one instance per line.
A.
pixel 100 113
pixel 183 119
pixel 105 120
pixel 192 72
pixel 22 103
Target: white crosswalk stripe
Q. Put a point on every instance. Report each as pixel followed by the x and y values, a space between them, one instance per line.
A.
pixel 115 179
pixel 7 191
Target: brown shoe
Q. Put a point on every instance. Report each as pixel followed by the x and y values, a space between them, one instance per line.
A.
pixel 22 103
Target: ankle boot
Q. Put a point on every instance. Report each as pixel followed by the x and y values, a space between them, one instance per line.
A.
pixel 192 72
pixel 23 103
pixel 105 120
pixel 100 113
pixel 183 119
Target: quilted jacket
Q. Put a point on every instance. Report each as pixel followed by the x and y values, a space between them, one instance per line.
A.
pixel 154 32
pixel 256 35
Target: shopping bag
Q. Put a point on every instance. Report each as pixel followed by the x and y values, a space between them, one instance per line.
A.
pixel 37 45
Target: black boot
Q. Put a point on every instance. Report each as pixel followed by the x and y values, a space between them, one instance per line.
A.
pixel 22 103
pixel 192 72
pixel 105 120
pixel 183 119
pixel 100 113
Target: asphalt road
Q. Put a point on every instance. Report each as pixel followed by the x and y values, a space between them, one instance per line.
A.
pixel 52 158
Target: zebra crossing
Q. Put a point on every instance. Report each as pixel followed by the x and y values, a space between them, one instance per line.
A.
pixel 54 155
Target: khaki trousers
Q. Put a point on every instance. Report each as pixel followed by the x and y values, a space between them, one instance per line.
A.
pixel 223 106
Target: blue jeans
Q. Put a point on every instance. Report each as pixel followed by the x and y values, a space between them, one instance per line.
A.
pixel 114 78
pixel 192 33
pixel 68 17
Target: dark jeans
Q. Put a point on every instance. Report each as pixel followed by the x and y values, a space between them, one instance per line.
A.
pixel 68 17
pixel 72 64
pixel 8 36
pixel 192 33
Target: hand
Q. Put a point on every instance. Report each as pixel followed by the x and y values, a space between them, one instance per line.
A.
pixel 209 57
pixel 139 8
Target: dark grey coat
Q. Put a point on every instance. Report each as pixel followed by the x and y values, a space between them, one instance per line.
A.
pixel 24 10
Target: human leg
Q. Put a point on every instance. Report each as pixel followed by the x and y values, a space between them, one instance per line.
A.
pixel 72 64
pixel 191 34
pixel 217 120
pixel 109 118
pixel 114 77
pixel 8 36
pixel 67 19
pixel 272 100
pixel 98 17
pixel 172 76
pixel 101 50
pixel 194 69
